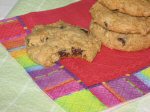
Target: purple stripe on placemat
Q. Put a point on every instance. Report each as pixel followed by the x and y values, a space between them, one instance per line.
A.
pixel 43 82
pixel 23 24
pixel 104 96
pixel 12 38
pixel 122 87
pixel 65 90
pixel 139 84
pixel 44 71
pixel 21 21
pixel 71 74
pixel 53 80
pixel 8 19
pixel 58 78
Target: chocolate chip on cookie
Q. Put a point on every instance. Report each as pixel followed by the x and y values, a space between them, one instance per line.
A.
pixel 115 10
pixel 122 40
pixel 63 53
pixel 84 30
pixel 27 41
pixel 106 24
pixel 76 51
pixel 62 27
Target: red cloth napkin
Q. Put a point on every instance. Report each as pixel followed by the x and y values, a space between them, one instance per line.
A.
pixel 108 64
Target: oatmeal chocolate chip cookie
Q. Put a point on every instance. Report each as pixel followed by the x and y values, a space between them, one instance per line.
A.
pixel 119 22
pixel 131 7
pixel 123 42
pixel 47 44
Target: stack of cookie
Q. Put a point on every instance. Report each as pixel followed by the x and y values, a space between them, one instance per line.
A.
pixel 122 24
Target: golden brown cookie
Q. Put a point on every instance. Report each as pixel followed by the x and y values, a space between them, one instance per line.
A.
pixel 124 42
pixel 47 44
pixel 119 22
pixel 131 7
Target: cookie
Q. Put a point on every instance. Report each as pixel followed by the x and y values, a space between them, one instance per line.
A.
pixel 119 22
pixel 131 7
pixel 123 42
pixel 47 44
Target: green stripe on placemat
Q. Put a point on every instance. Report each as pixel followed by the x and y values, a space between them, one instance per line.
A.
pixel 146 72
pixel 26 6
pixel 82 101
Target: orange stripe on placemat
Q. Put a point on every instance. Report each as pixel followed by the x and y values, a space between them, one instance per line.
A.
pixel 63 83
pixel 19 53
pixel 17 42
pixel 113 92
pixel 134 85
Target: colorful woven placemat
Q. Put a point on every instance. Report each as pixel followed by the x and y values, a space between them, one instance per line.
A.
pixel 114 77
pixel 141 104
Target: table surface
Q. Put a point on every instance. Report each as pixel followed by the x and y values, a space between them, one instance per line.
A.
pixel 6 6
pixel 26 6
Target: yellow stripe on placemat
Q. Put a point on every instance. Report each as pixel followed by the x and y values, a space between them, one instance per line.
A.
pixel 19 53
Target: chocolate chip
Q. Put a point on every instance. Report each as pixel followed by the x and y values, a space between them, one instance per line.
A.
pixel 63 53
pixel 122 40
pixel 42 40
pixel 106 24
pixel 32 44
pixel 76 51
pixel 27 41
pixel 115 10
pixel 62 27
pixel 84 56
pixel 84 30
pixel 46 38
pixel 106 30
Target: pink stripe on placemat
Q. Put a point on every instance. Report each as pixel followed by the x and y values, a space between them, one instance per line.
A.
pixel 65 90
pixel 123 88
pixel 104 96
pixel 139 84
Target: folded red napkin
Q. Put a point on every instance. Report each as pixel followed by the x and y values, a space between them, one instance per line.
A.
pixel 107 65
